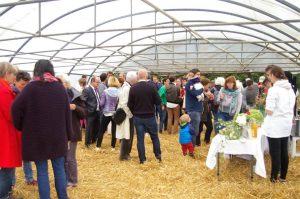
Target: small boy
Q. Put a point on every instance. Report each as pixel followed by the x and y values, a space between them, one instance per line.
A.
pixel 185 136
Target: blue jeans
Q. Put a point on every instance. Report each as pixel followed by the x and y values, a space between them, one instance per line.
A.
pixel 225 116
pixel 27 169
pixel 162 118
pixel 216 122
pixel 195 122
pixel 59 176
pixel 6 177
pixel 142 125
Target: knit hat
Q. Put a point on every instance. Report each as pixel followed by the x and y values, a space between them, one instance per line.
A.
pixel 220 81
pixel 262 79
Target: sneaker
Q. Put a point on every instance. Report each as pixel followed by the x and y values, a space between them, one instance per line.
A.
pixel 33 183
pixel 70 184
pixel 98 149
pixel 273 180
pixel 159 159
pixel 282 180
pixel 113 149
pixel 143 162
pixel 184 154
pixel 192 155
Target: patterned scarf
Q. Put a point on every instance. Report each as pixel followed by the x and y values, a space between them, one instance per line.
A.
pixel 234 94
pixel 47 77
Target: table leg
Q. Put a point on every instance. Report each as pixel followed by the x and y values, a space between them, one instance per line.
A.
pixel 218 164
pixel 251 167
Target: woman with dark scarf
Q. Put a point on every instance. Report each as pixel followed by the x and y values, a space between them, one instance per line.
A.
pixel 42 113
pixel 77 107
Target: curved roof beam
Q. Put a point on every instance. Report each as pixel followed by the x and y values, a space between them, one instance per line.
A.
pixel 233 15
pixel 215 22
pixel 137 53
pixel 56 19
pixel 80 9
pixel 181 10
pixel 176 10
pixel 266 13
pixel 192 32
pixel 181 31
pixel 22 2
pixel 292 6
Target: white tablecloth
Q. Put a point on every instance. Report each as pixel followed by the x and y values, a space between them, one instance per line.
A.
pixel 255 147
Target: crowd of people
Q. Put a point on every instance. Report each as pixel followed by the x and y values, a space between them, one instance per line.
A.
pixel 42 118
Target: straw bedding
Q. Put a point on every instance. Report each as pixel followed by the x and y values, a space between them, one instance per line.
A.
pixel 102 175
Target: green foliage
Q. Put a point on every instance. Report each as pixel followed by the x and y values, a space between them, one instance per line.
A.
pixel 231 130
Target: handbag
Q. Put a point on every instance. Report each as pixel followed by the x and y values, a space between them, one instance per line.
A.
pixel 119 116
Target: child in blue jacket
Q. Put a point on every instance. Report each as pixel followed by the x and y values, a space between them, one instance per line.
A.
pixel 185 135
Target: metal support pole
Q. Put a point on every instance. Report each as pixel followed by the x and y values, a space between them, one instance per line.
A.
pixel 40 19
pixel 95 23
pixel 218 164
pixel 251 167
pixel 173 39
pixel 155 38
pixel 131 25
pixel 185 55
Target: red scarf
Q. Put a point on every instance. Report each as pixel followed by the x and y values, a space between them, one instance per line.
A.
pixel 47 78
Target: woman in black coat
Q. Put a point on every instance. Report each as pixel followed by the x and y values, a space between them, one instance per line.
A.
pixel 42 113
pixel 77 107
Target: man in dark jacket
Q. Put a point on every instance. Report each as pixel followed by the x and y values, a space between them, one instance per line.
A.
pixel 92 101
pixel 194 98
pixel 142 99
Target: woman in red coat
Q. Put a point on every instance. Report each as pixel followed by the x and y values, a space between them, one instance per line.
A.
pixel 10 138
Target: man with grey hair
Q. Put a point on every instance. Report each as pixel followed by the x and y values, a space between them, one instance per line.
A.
pixel 125 131
pixel 142 99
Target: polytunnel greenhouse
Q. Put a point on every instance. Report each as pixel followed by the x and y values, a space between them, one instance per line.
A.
pixel 143 76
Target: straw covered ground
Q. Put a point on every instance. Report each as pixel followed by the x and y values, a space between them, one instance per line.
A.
pixel 102 175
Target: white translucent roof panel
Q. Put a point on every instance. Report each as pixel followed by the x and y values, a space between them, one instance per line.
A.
pixel 91 36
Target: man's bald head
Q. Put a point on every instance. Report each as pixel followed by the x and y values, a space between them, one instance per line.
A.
pixel 142 74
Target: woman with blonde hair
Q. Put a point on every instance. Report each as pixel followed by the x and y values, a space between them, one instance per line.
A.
pixel 108 103
pixel 10 138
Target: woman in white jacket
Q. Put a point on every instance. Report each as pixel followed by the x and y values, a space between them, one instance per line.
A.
pixel 125 130
pixel 278 122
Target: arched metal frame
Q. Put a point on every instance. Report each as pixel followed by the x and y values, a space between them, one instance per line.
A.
pixel 291 6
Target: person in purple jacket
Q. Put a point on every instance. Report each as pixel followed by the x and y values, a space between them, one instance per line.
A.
pixel 108 103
